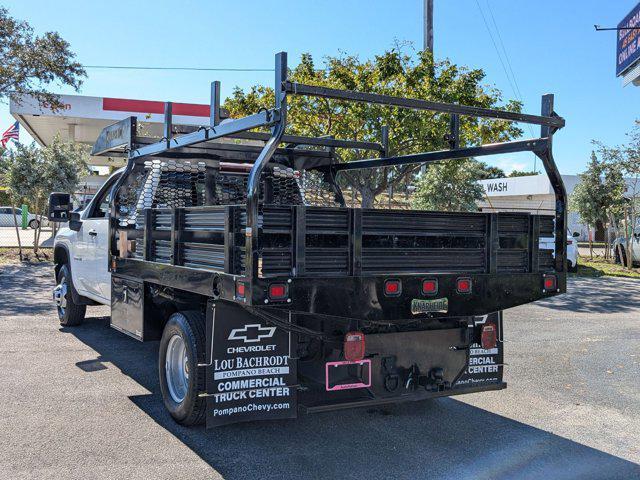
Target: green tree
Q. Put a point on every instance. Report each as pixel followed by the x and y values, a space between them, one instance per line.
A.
pixel 450 186
pixel 523 173
pixel 31 173
pixel 626 158
pixel 392 73
pixel 599 194
pixel 29 63
pixel 487 171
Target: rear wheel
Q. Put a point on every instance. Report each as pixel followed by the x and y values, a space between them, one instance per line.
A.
pixel 182 348
pixel 34 224
pixel 69 313
pixel 573 267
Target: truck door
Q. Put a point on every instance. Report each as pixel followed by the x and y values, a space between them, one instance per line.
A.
pixel 93 238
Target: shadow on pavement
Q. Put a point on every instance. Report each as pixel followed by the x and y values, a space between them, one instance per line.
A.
pixel 444 438
pixel 597 295
pixel 16 280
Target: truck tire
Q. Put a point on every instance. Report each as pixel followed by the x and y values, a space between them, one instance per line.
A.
pixel 182 348
pixel 573 267
pixel 69 313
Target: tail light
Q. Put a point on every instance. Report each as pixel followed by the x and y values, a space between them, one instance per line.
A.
pixel 354 346
pixel 240 290
pixel 277 291
pixel 550 283
pixel 489 336
pixel 463 285
pixel 429 287
pixel 392 288
pixel 569 242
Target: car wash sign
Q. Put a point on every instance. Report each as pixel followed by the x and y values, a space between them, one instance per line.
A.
pixel 628 41
pixel 251 375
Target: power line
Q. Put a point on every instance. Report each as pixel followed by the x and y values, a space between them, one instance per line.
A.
pixel 495 46
pixel 513 83
pixel 504 50
pixel 190 69
pixel 515 80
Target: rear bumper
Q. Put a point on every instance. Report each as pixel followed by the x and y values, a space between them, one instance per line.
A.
pixel 376 402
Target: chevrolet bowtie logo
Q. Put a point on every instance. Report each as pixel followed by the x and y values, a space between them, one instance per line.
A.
pixel 252 333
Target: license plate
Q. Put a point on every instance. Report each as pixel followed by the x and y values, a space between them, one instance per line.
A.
pixel 347 375
pixel 433 305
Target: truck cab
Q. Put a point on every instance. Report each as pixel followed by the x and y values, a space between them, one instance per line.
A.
pixel 81 256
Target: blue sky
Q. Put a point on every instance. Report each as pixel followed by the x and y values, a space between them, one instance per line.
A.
pixel 551 45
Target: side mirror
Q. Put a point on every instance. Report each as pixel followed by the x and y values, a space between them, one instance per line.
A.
pixel 74 221
pixel 576 234
pixel 59 207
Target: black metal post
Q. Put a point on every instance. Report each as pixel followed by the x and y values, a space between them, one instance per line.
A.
pixel 168 119
pixel 454 132
pixel 214 111
pixel 253 183
pixel 385 141
pixel 546 155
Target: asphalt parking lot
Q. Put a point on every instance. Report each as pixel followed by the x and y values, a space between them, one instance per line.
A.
pixel 85 403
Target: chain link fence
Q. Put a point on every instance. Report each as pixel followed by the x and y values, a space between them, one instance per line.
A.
pixel 22 229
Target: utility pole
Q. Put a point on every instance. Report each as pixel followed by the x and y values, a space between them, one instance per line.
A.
pixel 427 43
pixel 428 26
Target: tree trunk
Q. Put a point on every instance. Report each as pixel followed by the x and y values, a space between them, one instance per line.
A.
pixel 368 196
pixel 35 231
pixel 590 242
pixel 15 221
pixel 607 247
pixel 628 235
pixel 39 229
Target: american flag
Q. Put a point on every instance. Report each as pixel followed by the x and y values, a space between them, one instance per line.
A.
pixel 10 133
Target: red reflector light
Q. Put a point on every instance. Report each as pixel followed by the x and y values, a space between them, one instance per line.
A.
pixel 550 282
pixel 463 285
pixel 240 290
pixel 354 346
pixel 489 336
pixel 429 287
pixel 277 291
pixel 392 287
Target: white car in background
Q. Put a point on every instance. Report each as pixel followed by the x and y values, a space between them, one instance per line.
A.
pixel 7 220
pixel 621 250
pixel 548 243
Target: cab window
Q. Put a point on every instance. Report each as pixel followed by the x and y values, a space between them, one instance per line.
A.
pixel 102 202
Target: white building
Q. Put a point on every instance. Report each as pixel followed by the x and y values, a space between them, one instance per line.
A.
pixel 533 194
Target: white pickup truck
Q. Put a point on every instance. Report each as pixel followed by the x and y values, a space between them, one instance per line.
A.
pixel 80 255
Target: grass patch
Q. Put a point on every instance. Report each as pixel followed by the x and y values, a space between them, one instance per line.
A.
pixel 599 267
pixel 10 256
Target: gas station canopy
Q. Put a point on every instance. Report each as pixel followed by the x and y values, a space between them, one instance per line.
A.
pixel 82 118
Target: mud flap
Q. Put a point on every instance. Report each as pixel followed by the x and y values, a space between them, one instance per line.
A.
pixel 251 372
pixel 485 367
